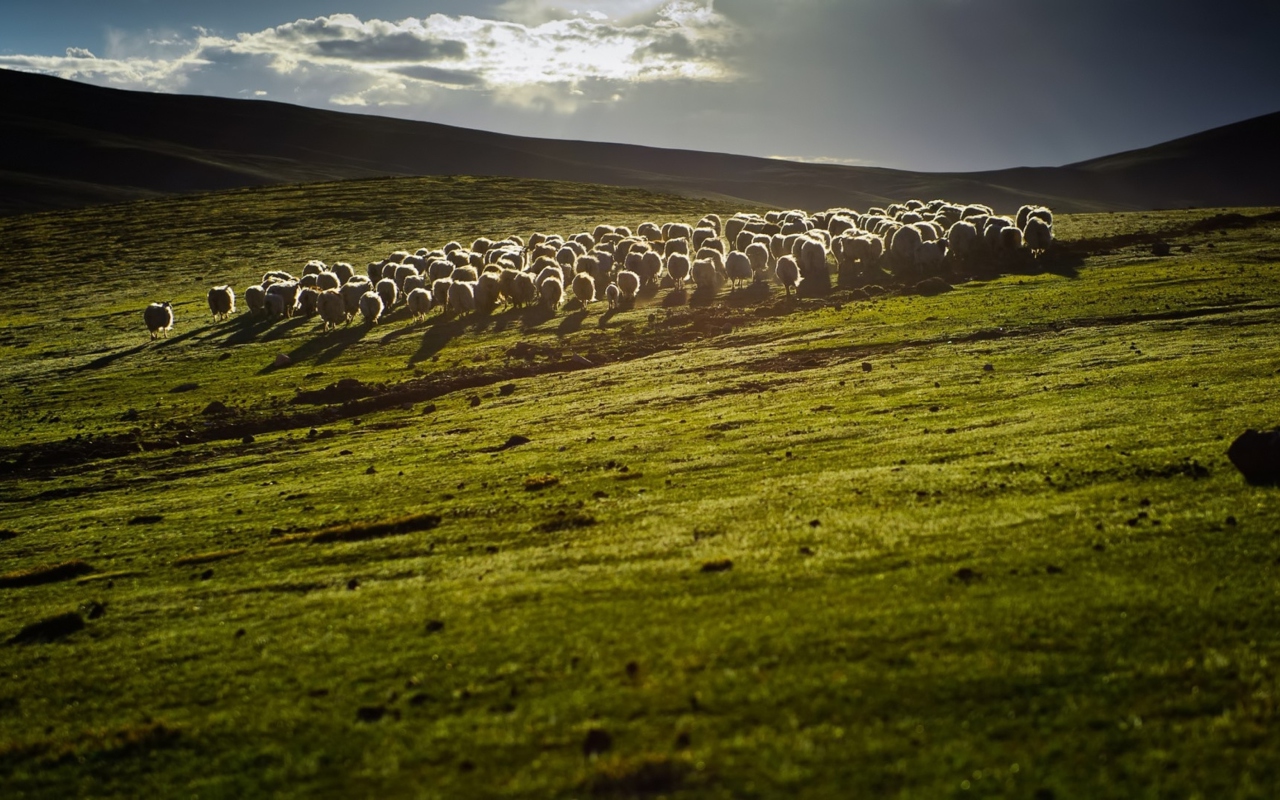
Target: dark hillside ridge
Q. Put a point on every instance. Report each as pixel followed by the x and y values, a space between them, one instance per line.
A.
pixel 67 144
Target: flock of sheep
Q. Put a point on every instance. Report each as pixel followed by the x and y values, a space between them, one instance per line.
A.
pixel 911 240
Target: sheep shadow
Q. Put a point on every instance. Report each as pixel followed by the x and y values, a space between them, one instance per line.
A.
pixel 704 296
pixel 439 334
pixel 110 358
pixel 675 299
pixel 572 323
pixel 323 347
pixel 535 316
pixel 603 322
pixel 285 329
pixel 750 295
pixel 245 329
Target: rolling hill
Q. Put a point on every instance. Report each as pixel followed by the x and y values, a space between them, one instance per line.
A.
pixel 67 144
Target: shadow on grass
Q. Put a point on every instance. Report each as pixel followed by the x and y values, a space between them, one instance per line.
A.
pixel 704 296
pixel 439 334
pixel 324 347
pixel 749 295
pixel 572 323
pixel 677 297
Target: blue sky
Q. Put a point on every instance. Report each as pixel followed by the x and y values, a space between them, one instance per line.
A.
pixel 914 84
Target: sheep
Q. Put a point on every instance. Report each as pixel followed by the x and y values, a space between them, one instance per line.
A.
pixel 711 221
pixel 276 306
pixel 758 254
pixel 222 302
pixel 1043 214
pixel 481 245
pixel 628 285
pixel 744 239
pixel 701 236
pixel 327 280
pixel 488 291
pixel 370 307
pixel 159 319
pixel 991 231
pixel 678 267
pixel 714 244
pixel 398 256
pixel 601 231
pixel 524 290
pixel 584 288
pixel 812 262
pixel 275 276
pixel 705 275
pixel 715 257
pixel 1010 238
pixel 255 298
pixel 671 246
pixel 351 292
pixel 929 256
pixel 287 292
pixel 551 293
pixel 440 294
pixel 309 281
pixel 465 274
pixel 739 268
pixel 389 270
pixel 650 231
pixel 651 268
pixel 961 239
pixel 1038 235
pixel 415 282
pixel 313 267
pixel 1023 213
pixel 403 273
pixel 332 309
pixel 344 271
pixel 612 294
pixel 419 302
pixel 439 268
pixel 462 297
pixel 902 247
pixel 734 226
pixel 387 291
pixel 307 302
pixel 788 273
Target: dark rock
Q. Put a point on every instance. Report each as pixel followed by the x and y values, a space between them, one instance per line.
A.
pixel 723 565
pixel 966 575
pixel 372 470
pixel 506 390
pixel 988 368
pixel 206 575
pixel 931 287
pixel 514 441
pixel 248 440
pixel 353 584
pixel 50 630
pixel 1257 455
pixel 474 400
pixel 866 366
pixel 93 609
pixel 130 415
pixel 283 360
pixel 435 626
pixel 1160 248
pixel 806 551
pixel 1053 569
pixel 371 713
pixel 216 408
pixel 184 387
pixel 146 519
pixel 598 741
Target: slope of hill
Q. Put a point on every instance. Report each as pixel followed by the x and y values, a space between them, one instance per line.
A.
pixel 71 144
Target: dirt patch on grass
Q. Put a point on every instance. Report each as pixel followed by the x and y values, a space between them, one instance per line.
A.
pixel 565 522
pixel 48 573
pixel 6 535
pixel 115 743
pixel 535 483
pixel 363 531
pixel 49 630
pixel 647 775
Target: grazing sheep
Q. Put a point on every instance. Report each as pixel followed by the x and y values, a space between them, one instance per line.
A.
pixel 705 276
pixel 309 281
pixel 612 294
pixel 1043 214
pixel 1038 235
pixel 439 268
pixel 813 263
pixel 739 268
pixel 465 274
pixel 524 290
pixel 551 293
pixel 222 302
pixel 714 244
pixel 462 297
pixel 679 245
pixel 403 273
pixel 419 302
pixel 275 276
pixel 1010 238
pixel 701 236
pixel 255 297
pixel 678 267
pixel 902 247
pixel 758 254
pixel 743 240
pixel 628 285
pixel 387 291
pixel 398 256
pixel 715 257
pixel 287 292
pixel 961 239
pixel 711 221
pixel 276 306
pixel 352 291
pixel 651 268
pixel 481 245
pixel 332 308
pixel 328 280
pixel 389 270
pixel 601 231
pixel 929 256
pixel 415 282
pixel 650 231
pixel 488 291
pixel 1023 213
pixel 440 294
pixel 159 319
pixel 788 273
pixel 370 307
pixel 344 271
pixel 307 298
pixel 584 288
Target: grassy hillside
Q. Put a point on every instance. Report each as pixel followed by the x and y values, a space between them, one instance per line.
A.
pixel 69 144
pixel 980 544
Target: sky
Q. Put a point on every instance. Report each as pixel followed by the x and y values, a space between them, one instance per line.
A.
pixel 931 85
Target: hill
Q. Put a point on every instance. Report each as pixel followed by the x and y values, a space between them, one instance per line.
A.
pixel 68 144
pixel 982 543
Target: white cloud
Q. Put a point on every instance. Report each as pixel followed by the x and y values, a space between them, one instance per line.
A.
pixel 556 63
pixel 844 162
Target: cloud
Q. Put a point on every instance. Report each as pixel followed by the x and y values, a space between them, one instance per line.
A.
pixel 543 62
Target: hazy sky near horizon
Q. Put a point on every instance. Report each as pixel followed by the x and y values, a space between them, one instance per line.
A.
pixel 913 84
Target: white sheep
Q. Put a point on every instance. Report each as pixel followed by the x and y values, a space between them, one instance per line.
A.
pixel 612 294
pixel 1038 235
pixel 440 294
pixel 287 291
pixel 309 281
pixel 332 308
pixel 370 307
pixel 275 276
pixel 465 274
pixel 704 275
pixel 159 319
pixel 628 285
pixel 678 245
pixel 488 291
pixel 386 289
pixel 651 267
pixel 678 267
pixel 344 271
pixel 758 254
pixel 276 306
pixel 584 288
pixel 738 267
pixel 352 291
pixel 701 236
pixel 328 280
pixel 929 256
pixel 1010 238
pixel 255 298
pixel 403 273
pixel 524 290
pixel 813 261
pixel 415 282
pixel 711 221
pixel 788 273
pixel 551 293
pixel 222 302
pixel 902 247
pixel 307 299
pixel 650 231
pixel 462 297
pixel 961 239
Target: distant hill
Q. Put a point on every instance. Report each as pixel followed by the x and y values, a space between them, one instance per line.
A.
pixel 68 144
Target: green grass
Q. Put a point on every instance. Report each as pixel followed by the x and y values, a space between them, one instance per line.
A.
pixel 1039 579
